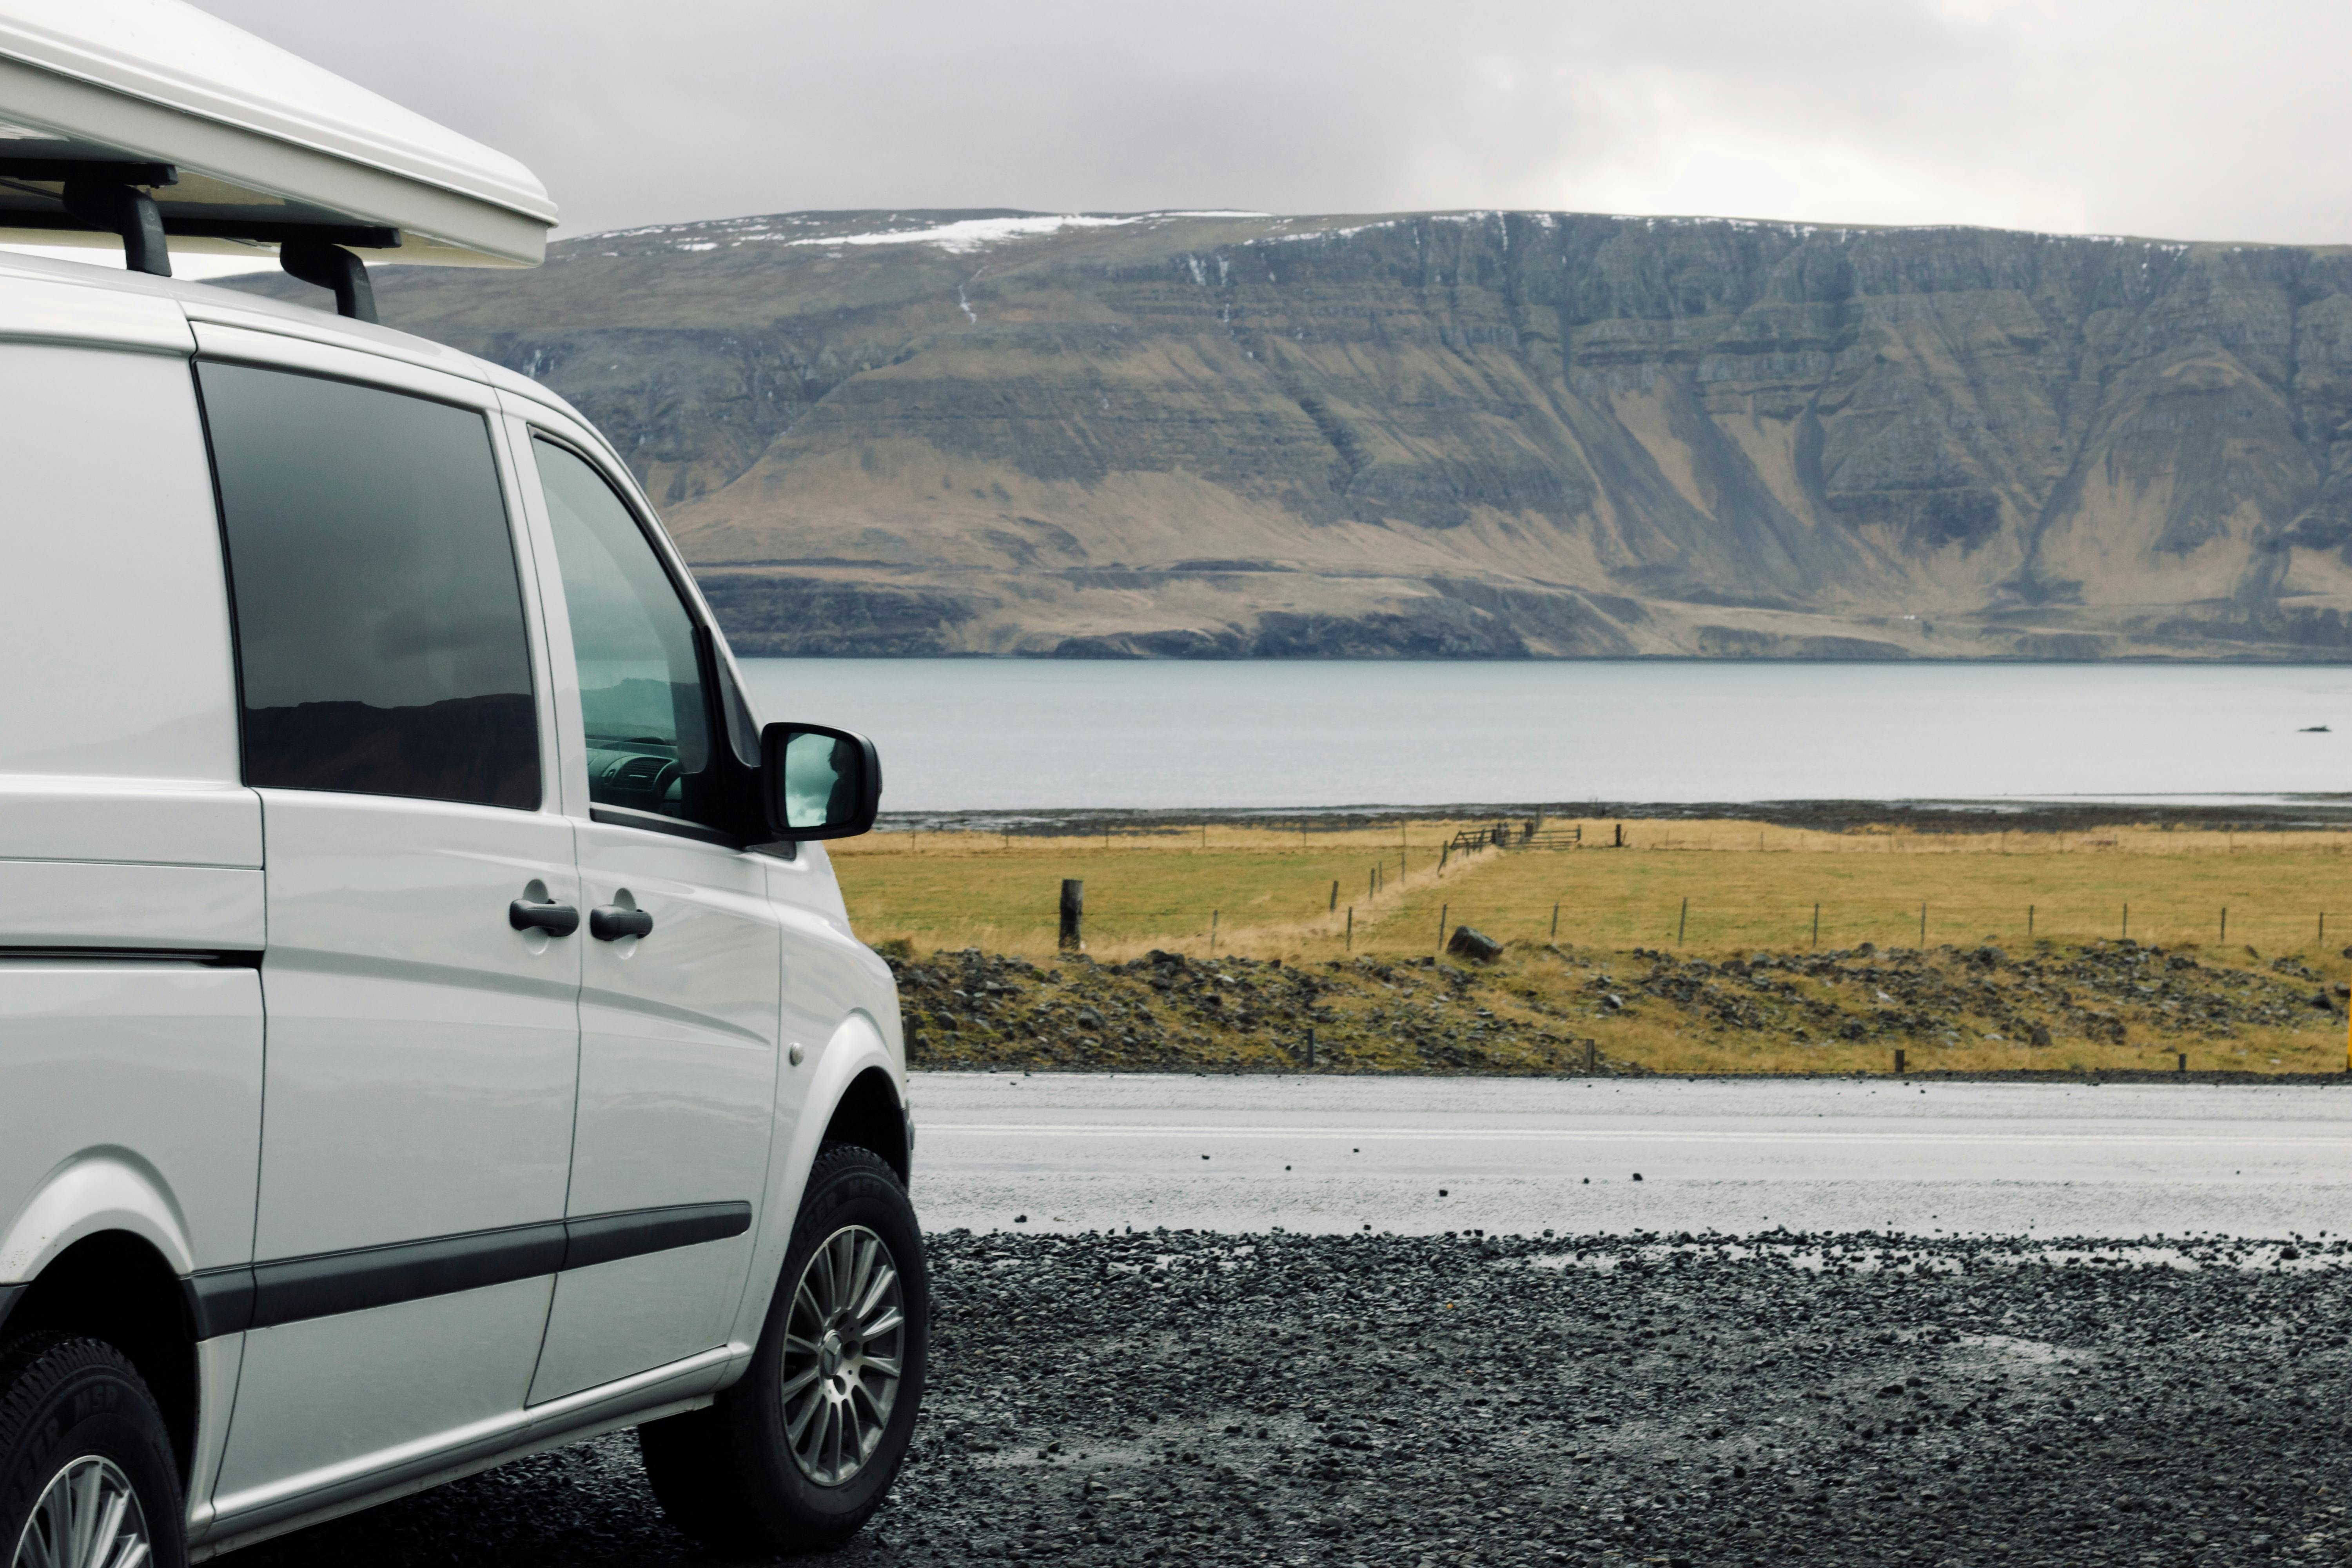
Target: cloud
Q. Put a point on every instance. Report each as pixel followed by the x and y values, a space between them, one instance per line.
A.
pixel 2165 117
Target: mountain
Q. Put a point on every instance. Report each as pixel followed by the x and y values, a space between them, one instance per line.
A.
pixel 1458 433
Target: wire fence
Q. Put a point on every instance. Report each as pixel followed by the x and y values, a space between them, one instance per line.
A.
pixel 1701 922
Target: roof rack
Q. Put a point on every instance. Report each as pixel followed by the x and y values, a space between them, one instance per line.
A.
pixel 154 124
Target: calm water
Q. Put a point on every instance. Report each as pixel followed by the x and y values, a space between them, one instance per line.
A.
pixel 984 734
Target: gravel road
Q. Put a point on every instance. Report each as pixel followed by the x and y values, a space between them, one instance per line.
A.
pixel 1192 1397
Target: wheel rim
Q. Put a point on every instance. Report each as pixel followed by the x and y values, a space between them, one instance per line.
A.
pixel 88 1518
pixel 844 1356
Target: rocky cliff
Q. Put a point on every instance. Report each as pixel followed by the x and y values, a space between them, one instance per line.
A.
pixel 1460 434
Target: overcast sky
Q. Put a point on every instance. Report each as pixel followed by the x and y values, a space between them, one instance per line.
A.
pixel 2149 117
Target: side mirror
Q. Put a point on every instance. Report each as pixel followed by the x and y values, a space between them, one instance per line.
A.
pixel 818 783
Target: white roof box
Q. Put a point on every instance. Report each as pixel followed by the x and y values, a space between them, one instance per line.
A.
pixel 241 146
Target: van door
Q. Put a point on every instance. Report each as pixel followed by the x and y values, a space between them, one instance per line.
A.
pixel 420 992
pixel 682 966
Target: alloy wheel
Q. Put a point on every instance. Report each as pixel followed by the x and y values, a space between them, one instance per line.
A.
pixel 88 1518
pixel 845 1354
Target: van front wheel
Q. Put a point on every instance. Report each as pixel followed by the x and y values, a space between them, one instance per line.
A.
pixel 798 1454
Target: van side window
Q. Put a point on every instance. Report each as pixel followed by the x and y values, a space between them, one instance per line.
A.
pixel 381 640
pixel 641 691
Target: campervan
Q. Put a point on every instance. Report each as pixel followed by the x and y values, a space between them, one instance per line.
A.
pixel 430 1030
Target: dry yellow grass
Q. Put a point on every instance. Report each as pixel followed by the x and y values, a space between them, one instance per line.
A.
pixel 1262 891
pixel 1746 885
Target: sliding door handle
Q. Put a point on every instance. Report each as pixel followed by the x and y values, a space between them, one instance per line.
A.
pixel 611 922
pixel 556 920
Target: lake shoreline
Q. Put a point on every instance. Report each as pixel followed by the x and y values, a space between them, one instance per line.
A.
pixel 2255 815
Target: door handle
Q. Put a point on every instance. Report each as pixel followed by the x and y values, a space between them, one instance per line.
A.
pixel 611 922
pixel 556 920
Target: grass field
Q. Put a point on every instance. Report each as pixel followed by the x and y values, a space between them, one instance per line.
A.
pixel 1690 892
pixel 1269 893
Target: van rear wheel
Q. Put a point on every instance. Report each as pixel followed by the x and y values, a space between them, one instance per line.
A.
pixel 87 1475
pixel 798 1454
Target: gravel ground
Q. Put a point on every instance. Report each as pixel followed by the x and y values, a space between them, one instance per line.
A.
pixel 1181 1399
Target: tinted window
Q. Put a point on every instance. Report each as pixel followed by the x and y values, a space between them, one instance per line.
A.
pixel 640 694
pixel 379 618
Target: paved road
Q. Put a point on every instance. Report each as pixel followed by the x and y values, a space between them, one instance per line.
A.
pixel 1077 1152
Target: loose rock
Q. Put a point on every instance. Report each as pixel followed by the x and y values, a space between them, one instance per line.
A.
pixel 1855 1400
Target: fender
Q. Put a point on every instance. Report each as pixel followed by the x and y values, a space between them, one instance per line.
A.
pixel 856 1046
pixel 97 1190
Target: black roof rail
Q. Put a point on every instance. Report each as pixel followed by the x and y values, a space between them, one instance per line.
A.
pixel 104 197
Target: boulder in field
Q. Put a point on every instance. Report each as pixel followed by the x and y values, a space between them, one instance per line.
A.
pixel 1468 942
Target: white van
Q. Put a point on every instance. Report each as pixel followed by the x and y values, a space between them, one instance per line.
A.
pixel 429 1026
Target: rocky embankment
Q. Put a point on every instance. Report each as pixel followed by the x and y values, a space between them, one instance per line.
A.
pixel 2097 992
pixel 974 1009
pixel 1537 1010
pixel 1852 1400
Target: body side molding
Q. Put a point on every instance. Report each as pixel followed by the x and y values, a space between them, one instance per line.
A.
pixel 605 1237
pixel 211 958
pixel 292 1289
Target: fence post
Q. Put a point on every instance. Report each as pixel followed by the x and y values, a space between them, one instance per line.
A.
pixel 1555 920
pixel 1074 910
pixel 1591 1056
pixel 1899 1061
pixel 2126 934
pixel 1441 910
pixel 2182 1058
pixel 1621 836
pixel 1923 926
pixel 1334 895
pixel 2029 919
pixel 1683 925
pixel 1351 928
pixel 2225 922
pixel 1311 1047
pixel 1212 933
pixel 1817 925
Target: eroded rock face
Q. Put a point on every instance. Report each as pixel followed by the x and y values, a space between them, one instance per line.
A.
pixel 1483 434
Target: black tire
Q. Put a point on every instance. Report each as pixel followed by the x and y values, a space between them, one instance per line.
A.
pixel 69 1404
pixel 728 1475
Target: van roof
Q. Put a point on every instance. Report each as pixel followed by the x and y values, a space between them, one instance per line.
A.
pixel 263 143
